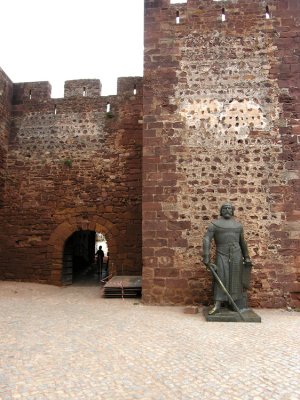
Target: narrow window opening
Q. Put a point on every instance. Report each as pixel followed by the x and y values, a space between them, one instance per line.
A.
pixel 30 94
pixel 223 15
pixel 84 92
pixel 177 17
pixel 55 109
pixel 107 107
pixel 134 89
pixel 267 13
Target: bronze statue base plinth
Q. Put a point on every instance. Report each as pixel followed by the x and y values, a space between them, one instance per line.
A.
pixel 226 315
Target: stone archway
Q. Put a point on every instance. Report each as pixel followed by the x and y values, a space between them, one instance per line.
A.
pixel 64 230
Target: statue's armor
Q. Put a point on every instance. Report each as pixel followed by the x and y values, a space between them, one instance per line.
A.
pixel 230 251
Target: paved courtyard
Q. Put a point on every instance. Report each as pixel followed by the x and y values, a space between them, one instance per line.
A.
pixel 69 343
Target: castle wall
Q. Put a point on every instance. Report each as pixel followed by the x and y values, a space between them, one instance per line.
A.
pixel 221 123
pixel 5 106
pixel 220 106
pixel 70 166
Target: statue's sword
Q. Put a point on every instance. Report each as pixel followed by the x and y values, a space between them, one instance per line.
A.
pixel 216 276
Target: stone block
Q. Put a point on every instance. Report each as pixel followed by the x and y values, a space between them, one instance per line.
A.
pixel 191 310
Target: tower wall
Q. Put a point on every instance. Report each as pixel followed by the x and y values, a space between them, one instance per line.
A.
pixel 221 123
pixel 5 108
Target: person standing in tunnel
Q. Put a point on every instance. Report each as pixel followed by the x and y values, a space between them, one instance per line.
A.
pixel 100 256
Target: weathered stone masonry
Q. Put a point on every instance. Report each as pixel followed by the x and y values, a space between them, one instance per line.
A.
pixel 5 108
pixel 221 121
pixel 71 166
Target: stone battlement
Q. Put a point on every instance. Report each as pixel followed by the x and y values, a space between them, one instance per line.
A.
pixel 26 92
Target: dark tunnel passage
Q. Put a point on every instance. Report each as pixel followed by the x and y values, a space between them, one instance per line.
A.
pixel 81 265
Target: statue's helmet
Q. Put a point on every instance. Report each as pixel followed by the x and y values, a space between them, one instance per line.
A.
pixel 227 205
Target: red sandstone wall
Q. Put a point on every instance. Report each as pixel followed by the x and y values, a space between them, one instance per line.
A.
pixel 5 106
pixel 287 72
pixel 71 166
pixel 221 119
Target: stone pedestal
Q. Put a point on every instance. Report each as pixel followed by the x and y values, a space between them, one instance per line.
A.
pixel 226 315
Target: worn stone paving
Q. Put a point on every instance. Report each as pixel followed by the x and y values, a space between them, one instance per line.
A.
pixel 69 343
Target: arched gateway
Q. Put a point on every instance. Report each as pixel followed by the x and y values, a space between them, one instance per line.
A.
pixel 56 251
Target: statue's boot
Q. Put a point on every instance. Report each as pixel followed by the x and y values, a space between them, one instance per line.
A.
pixel 215 309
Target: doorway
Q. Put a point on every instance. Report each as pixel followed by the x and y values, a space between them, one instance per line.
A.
pixel 80 265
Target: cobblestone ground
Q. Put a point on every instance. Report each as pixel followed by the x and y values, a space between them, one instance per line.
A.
pixel 69 343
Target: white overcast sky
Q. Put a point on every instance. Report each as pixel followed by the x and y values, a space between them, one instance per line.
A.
pixel 59 40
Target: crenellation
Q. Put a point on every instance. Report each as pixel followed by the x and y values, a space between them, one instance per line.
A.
pixel 31 92
pixel 82 88
pixel 130 86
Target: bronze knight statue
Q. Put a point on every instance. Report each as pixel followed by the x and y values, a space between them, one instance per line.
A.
pixel 232 266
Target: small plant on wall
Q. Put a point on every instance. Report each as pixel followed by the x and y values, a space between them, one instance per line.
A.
pixel 109 114
pixel 68 163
